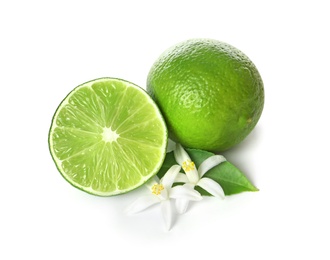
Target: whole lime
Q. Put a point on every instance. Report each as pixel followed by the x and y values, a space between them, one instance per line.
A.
pixel 210 93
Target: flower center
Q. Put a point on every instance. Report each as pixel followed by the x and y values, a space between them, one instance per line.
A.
pixel 157 188
pixel 188 165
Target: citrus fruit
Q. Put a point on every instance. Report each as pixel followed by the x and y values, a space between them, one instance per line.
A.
pixel 108 137
pixel 210 93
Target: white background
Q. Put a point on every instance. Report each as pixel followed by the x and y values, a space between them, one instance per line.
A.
pixel 48 48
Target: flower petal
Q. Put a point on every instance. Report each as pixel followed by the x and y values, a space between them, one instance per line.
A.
pixel 170 176
pixel 170 146
pixel 181 205
pixel 211 187
pixel 209 163
pixel 166 208
pixel 152 182
pixel 142 203
pixel 163 194
pixel 180 154
pixel 184 192
pixel 181 177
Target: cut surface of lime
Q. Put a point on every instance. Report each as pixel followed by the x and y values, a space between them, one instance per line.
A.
pixel 108 137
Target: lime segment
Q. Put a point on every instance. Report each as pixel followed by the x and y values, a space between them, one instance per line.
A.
pixel 108 137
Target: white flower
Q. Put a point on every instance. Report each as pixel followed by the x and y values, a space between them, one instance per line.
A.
pixel 194 177
pixel 161 191
pixel 170 146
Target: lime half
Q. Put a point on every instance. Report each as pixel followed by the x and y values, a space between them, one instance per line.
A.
pixel 108 137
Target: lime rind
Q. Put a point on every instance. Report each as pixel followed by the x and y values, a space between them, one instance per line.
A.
pixel 92 149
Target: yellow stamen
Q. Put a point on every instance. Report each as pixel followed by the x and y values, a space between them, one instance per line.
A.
pixel 188 166
pixel 157 188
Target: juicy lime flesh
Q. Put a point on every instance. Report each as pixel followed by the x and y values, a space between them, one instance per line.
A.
pixel 108 137
pixel 210 93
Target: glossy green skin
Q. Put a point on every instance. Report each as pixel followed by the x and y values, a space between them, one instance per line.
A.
pixel 210 93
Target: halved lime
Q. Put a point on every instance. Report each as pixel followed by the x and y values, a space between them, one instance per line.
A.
pixel 108 137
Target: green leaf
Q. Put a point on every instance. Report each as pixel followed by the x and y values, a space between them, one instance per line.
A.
pixel 231 179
